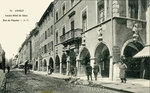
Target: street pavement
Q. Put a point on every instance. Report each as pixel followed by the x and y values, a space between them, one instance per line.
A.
pixel 2 77
pixel 131 86
pixel 18 82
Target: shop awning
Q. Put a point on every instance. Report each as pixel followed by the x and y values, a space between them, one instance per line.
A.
pixel 145 52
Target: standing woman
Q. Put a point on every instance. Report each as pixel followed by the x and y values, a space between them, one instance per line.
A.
pixel 122 75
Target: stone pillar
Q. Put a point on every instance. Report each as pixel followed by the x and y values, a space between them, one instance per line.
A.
pixel 116 71
pixel 116 59
pixel 111 69
pixel 92 64
pixel 78 67
pixel 60 69
pixel 33 65
pixel 38 65
pixel 68 65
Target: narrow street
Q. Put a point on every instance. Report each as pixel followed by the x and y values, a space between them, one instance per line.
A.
pixel 18 82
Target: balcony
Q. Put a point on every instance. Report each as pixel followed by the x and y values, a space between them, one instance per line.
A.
pixel 71 35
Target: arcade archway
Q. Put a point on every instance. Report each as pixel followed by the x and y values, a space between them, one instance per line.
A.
pixel 45 65
pixel 72 58
pixel 85 58
pixel 57 64
pixel 134 64
pixel 51 62
pixel 102 59
pixel 36 65
pixel 64 63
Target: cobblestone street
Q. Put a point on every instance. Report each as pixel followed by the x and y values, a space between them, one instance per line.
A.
pixel 17 82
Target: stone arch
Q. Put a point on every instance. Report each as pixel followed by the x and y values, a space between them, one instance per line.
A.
pixel 102 58
pixel 129 49
pixel 64 63
pixel 45 65
pixel 36 65
pixel 51 62
pixel 126 43
pixel 57 62
pixel 84 59
pixel 108 46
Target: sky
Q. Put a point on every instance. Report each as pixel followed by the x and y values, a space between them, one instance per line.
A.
pixel 17 19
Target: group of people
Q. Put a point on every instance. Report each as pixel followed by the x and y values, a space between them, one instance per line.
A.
pixel 122 74
pixel 8 68
pixel 73 71
pixel 50 69
pixel 89 71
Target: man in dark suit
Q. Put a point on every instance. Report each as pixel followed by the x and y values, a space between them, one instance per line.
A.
pixel 89 71
pixel 95 70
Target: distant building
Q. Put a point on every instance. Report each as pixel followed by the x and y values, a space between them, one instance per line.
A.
pixel 2 58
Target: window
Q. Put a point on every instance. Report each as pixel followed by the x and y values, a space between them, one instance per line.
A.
pixel 63 9
pixel 84 21
pixel 56 37
pixel 45 34
pixel 72 25
pixel 72 1
pixel 63 30
pixel 52 13
pixel 52 45
pixel 48 32
pixel 133 9
pixel 51 29
pixel 100 11
pixel 45 48
pixel 108 8
pixel 56 15
pixel 49 46
pixel 48 17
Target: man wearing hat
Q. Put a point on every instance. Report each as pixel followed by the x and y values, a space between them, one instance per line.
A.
pixel 89 71
pixel 95 70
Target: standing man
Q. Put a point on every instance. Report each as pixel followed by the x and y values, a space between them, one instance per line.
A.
pixel 123 68
pixel 26 67
pixel 8 68
pixel 95 70
pixel 89 71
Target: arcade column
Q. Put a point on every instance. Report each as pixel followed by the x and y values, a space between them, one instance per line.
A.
pixel 92 64
pixel 68 65
pixel 60 69
pixel 116 59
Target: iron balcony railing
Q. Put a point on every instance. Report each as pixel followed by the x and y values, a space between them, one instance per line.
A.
pixel 71 35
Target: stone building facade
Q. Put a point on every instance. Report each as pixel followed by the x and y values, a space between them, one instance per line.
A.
pixel 95 31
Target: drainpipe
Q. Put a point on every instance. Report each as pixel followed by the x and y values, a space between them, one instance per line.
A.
pixel 148 23
pixel 111 11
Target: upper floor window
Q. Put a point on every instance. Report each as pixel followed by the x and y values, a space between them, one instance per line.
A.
pixel 56 37
pixel 45 48
pixel 48 46
pixel 72 25
pixel 133 9
pixel 52 45
pixel 51 29
pixel 45 34
pixel 63 30
pixel 63 8
pixel 48 32
pixel 100 11
pixel 84 21
pixel 72 2
pixel 48 17
pixel 56 15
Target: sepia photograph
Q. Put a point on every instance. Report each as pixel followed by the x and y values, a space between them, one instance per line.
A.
pixel 75 46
